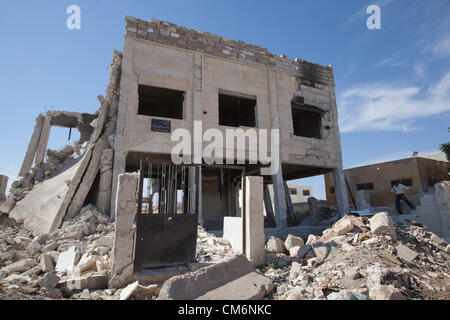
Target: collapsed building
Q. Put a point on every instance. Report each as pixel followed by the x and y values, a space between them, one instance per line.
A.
pixel 167 78
pixel 115 211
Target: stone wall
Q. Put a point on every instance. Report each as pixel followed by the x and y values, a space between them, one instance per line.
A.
pixel 170 34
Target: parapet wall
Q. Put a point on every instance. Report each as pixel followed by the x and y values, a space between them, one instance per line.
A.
pixel 205 42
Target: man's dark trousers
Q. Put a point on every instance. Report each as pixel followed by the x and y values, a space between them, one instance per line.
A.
pixel 399 197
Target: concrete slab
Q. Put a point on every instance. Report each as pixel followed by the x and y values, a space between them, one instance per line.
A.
pixel 40 208
pixel 196 284
pixel 252 286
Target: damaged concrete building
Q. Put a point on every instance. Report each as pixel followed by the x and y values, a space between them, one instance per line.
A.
pixel 177 76
pixel 169 77
pixel 425 174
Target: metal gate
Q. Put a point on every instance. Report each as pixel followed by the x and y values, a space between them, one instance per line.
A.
pixel 167 214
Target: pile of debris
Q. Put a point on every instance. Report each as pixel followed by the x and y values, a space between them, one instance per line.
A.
pixel 359 259
pixel 210 248
pixel 74 261
pixel 69 260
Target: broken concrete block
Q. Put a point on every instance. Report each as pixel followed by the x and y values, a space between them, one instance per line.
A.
pixel 348 247
pixel 251 286
pixel 17 279
pixel 67 260
pixel 321 251
pixel 296 270
pixel 381 223
pixel 105 241
pixel 144 292
pixel 49 281
pixel 128 291
pixel 293 241
pixel 343 226
pixel 388 292
pixel 406 253
pixel 275 245
pixel 199 283
pixel 47 263
pixel 50 247
pixel 20 266
pixel 312 239
pixel 33 271
pixel 437 240
pixel 8 205
pixel 87 262
pixel 34 247
pixel 300 251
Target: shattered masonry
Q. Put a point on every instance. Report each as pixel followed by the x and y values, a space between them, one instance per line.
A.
pixel 72 231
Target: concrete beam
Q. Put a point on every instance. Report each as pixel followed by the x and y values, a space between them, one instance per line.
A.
pixel 341 192
pixel 3 186
pixel 43 140
pixel 32 147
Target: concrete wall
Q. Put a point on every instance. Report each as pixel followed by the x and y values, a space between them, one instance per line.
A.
pixel 163 62
pixel 419 170
pixel 200 64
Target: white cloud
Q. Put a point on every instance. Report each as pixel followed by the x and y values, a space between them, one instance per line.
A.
pixel 390 107
pixel 390 62
pixel 440 48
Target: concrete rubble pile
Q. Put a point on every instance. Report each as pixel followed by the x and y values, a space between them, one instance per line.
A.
pixel 55 190
pixel 74 261
pixel 210 248
pixel 359 259
pixel 71 259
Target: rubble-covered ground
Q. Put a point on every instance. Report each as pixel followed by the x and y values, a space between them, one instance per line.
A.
pixel 358 258
pixel 74 261
pixel 361 259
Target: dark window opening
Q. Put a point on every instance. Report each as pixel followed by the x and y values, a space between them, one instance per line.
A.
pixel 293 191
pixel 237 111
pixel 306 193
pixel 365 186
pixel 405 182
pixel 160 102
pixel 307 120
pixel 332 190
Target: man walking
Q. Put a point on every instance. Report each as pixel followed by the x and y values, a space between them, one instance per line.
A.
pixel 399 190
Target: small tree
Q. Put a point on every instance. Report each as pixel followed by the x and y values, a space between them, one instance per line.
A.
pixel 445 147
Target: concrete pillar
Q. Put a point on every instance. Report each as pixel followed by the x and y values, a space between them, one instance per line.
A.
pixel 254 221
pixel 3 186
pixel 124 239
pixel 32 147
pixel 43 141
pixel 277 179
pixel 105 183
pixel 341 192
pixel 268 205
pixel 290 208
pixel 253 230
pixel 314 210
pixel 279 199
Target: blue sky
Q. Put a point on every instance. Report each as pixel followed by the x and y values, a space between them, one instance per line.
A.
pixel 392 85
